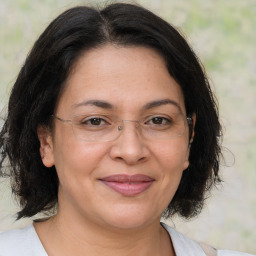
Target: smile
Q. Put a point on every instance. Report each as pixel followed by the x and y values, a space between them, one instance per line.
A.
pixel 128 185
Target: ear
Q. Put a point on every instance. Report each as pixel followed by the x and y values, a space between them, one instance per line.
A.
pixel 46 145
pixel 191 138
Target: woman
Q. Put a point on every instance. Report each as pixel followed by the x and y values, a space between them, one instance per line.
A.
pixel 111 125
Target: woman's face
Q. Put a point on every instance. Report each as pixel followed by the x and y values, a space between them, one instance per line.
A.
pixel 126 182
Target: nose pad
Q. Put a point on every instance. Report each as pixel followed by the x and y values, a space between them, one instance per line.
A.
pixel 129 147
pixel 121 127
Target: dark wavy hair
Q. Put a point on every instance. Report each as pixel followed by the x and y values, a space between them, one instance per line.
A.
pixel 42 78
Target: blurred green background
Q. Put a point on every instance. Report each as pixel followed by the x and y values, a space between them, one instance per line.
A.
pixel 223 34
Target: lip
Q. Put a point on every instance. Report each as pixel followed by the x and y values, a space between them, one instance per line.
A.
pixel 128 185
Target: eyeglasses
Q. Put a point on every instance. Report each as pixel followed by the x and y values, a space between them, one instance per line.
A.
pixel 102 128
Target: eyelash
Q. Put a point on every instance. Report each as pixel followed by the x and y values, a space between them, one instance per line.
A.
pixel 87 120
pixel 165 119
pixel 147 120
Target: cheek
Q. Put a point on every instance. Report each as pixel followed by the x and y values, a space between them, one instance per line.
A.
pixel 75 158
pixel 172 155
pixel 171 162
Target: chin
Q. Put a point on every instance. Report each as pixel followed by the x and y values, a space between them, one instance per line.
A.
pixel 130 218
pixel 128 224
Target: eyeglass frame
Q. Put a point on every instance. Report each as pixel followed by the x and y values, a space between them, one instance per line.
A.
pixel 189 120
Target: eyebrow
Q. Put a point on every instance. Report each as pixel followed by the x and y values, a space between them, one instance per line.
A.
pixel 107 105
pixel 158 103
pixel 97 103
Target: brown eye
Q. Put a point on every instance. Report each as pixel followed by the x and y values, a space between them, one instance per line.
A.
pixel 159 120
pixel 95 121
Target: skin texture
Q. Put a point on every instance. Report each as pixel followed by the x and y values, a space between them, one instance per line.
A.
pixel 92 217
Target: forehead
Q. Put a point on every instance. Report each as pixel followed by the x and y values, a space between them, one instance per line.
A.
pixel 126 77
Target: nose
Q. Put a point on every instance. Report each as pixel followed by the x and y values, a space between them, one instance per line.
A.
pixel 129 147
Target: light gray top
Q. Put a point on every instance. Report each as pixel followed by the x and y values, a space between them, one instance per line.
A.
pixel 25 242
pixel 21 242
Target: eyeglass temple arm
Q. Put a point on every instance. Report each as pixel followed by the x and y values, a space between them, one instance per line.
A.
pixel 62 120
pixel 190 126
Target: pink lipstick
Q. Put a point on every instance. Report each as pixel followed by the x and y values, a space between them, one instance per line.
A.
pixel 128 185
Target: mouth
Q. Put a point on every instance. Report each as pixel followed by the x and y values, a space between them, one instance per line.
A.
pixel 128 185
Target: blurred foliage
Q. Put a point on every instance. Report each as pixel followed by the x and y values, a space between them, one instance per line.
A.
pixel 222 33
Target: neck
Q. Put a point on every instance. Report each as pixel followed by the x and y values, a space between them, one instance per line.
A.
pixel 73 238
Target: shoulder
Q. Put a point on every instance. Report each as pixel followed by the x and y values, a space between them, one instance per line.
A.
pixel 186 246
pixel 232 253
pixel 16 241
pixel 20 242
pixel 182 244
